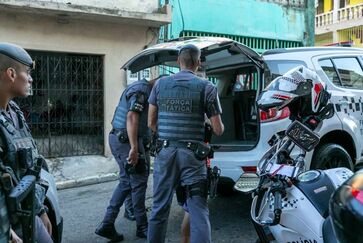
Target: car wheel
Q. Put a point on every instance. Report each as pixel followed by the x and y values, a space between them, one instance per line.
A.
pixel 225 187
pixel 330 156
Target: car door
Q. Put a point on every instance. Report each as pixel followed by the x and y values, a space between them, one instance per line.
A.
pixel 345 75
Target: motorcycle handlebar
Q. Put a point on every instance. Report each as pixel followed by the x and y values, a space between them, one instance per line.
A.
pixel 277 207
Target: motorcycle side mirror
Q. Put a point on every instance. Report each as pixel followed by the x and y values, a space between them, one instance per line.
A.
pixel 247 183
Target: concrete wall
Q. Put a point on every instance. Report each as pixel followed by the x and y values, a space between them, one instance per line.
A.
pixel 117 43
pixel 255 18
pixel 145 6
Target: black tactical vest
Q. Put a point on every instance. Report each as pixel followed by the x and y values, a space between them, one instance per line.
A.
pixel 181 109
pixel 120 116
pixel 19 148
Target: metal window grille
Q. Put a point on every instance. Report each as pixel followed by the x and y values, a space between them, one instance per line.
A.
pixel 65 112
pixel 258 44
pixel 355 35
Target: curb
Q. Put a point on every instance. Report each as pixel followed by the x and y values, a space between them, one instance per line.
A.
pixel 91 180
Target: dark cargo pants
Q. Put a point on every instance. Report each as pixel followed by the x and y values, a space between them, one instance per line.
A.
pixel 172 166
pixel 135 184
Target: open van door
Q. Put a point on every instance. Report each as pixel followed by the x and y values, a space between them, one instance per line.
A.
pixel 236 70
pixel 215 52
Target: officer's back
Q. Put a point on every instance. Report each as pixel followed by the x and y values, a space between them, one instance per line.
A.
pixel 177 108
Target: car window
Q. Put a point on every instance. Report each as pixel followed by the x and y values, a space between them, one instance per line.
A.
pixel 350 72
pixel 279 67
pixel 329 70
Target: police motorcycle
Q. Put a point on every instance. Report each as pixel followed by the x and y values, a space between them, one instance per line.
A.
pixel 290 204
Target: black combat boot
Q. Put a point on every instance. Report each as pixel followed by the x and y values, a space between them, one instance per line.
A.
pixel 141 231
pixel 129 214
pixel 108 231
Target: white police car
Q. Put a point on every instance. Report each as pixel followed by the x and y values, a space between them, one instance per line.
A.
pixel 240 74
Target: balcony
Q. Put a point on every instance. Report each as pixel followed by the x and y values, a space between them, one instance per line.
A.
pixel 339 19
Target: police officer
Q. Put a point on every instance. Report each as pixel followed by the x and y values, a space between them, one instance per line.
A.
pixel 17 147
pixel 177 106
pixel 127 140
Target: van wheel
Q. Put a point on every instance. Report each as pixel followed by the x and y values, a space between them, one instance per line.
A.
pixel 225 187
pixel 330 156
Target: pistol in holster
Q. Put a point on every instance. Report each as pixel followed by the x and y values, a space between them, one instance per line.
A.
pixel 156 145
pixel 213 175
pixel 181 195
pixel 141 167
pixel 121 134
pixel 199 188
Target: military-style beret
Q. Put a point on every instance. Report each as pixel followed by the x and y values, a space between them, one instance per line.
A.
pixel 191 47
pixel 17 53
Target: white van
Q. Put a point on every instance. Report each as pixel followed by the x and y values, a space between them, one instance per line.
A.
pixel 240 74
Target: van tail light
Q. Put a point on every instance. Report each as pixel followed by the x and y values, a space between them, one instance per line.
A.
pixel 273 114
pixel 249 169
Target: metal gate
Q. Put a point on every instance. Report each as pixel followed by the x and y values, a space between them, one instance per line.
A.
pixel 65 112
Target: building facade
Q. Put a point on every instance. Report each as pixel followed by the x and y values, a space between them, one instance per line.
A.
pixel 79 47
pixel 259 24
pixel 339 22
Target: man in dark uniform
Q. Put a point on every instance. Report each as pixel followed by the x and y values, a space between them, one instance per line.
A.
pixel 17 147
pixel 127 140
pixel 177 108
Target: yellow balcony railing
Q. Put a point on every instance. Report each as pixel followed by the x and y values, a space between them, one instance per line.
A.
pixel 339 15
pixel 324 19
pixel 350 12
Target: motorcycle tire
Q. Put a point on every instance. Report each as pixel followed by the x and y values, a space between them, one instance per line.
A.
pixel 330 156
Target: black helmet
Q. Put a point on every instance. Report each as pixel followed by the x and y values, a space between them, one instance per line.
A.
pixel 346 210
pixel 17 53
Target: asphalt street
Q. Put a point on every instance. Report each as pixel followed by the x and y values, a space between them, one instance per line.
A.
pixel 83 208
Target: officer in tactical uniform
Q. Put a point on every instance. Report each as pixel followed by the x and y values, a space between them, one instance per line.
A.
pixel 128 139
pixel 177 106
pixel 17 147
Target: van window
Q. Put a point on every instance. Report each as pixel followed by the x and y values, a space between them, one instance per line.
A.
pixel 278 68
pixel 350 72
pixel 330 71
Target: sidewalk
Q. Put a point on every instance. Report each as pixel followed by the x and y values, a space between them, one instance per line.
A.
pixel 82 170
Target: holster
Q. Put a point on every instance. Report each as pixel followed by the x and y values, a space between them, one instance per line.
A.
pixel 155 146
pixel 181 195
pixel 202 151
pixel 213 179
pixel 141 167
pixel 121 134
pixel 146 141
pixel 199 188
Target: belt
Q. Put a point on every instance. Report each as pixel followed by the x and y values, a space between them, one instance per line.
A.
pixel 118 132
pixel 178 144
pixel 123 132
